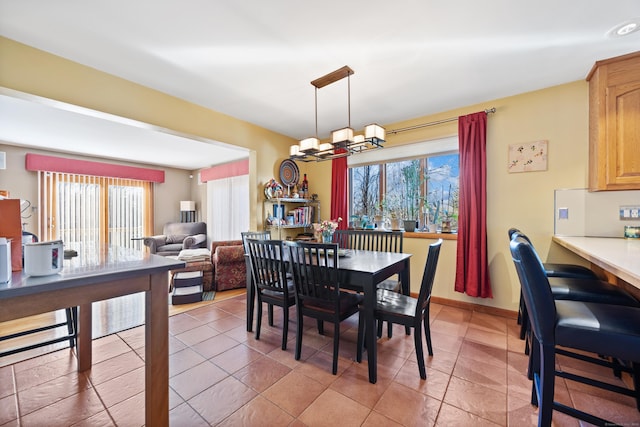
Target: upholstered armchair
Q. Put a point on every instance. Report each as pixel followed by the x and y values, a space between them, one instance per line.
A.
pixel 177 236
pixel 229 268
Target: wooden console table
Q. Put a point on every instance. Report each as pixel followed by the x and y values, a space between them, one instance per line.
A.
pixel 111 273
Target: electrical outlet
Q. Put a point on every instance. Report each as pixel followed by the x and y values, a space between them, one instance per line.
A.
pixel 629 212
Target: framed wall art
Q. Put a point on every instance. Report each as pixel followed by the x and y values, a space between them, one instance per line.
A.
pixel 528 156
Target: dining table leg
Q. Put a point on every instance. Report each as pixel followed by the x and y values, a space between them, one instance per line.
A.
pixel 371 338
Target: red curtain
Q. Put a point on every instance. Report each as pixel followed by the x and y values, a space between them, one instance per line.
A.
pixel 339 198
pixel 472 267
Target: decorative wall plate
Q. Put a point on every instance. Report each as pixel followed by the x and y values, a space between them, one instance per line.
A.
pixel 289 173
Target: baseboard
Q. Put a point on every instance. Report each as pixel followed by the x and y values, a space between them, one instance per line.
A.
pixel 476 307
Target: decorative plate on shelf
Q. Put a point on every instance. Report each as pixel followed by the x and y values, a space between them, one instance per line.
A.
pixel 289 173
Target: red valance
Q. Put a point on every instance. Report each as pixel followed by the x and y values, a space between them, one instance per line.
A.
pixel 39 162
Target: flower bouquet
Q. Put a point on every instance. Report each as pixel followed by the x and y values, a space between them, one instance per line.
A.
pixel 326 228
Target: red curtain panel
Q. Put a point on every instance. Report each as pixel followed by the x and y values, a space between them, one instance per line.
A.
pixel 339 198
pixel 472 267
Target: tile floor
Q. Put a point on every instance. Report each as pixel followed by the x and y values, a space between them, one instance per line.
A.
pixel 221 375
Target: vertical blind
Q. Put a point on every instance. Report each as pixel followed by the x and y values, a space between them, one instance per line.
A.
pixel 87 212
pixel 228 207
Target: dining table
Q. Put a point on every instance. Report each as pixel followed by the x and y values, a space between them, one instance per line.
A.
pixel 96 275
pixel 360 271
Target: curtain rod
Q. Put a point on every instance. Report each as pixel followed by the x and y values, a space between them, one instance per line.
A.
pixel 437 122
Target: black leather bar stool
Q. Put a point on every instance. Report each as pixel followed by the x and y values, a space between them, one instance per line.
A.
pixel 576 283
pixel 596 328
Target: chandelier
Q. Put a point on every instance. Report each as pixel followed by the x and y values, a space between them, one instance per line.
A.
pixel 343 141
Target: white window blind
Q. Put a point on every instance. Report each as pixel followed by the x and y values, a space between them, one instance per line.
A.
pixel 86 212
pixel 228 210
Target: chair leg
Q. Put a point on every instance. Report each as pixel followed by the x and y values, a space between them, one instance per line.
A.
pixel 417 337
pixel 547 384
pixel 72 315
pixel 298 335
pixel 258 318
pixel 427 332
pixel 389 329
pixel 360 343
pixel 379 329
pixel 636 382
pixel 336 346
pixel 320 327
pixel 285 327
pixel 524 322
pixel 270 313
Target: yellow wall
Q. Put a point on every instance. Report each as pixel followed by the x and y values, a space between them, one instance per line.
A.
pixel 33 71
pixel 525 200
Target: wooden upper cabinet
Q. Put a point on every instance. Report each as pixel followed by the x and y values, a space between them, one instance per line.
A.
pixel 614 123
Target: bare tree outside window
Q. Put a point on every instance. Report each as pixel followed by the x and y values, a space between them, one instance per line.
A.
pixel 365 190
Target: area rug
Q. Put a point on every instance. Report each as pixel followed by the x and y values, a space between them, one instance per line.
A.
pixel 208 295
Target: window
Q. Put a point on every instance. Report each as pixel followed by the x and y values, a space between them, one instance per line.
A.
pixel 87 212
pixel 423 188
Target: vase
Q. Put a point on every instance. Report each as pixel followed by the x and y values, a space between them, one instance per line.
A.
pixel 327 237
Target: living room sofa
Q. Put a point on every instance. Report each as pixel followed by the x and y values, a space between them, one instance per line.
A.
pixel 177 236
pixel 229 268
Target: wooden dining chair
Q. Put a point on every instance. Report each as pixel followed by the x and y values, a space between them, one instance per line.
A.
pixel 271 283
pixel 318 294
pixel 374 240
pixel 393 307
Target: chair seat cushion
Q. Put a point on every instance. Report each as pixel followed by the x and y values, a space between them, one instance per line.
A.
pixel 568 270
pixel 348 301
pixel 599 328
pixel 390 285
pixel 590 290
pixel 396 303
pixel 280 294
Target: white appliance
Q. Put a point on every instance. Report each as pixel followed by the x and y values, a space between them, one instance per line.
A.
pixel 5 260
pixel 43 258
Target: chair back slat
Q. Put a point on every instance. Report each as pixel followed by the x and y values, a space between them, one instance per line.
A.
pixel 267 265
pixel 370 240
pixel 315 272
pixel 428 276
pixel 259 235
pixel 536 290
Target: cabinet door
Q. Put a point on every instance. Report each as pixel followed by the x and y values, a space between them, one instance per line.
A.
pixel 623 136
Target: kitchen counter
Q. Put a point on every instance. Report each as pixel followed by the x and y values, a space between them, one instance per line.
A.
pixel 620 257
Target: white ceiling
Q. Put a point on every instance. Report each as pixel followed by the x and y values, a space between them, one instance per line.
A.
pixel 254 59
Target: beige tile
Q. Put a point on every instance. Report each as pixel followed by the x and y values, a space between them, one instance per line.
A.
pixel 481 336
pixel 451 416
pixel 317 414
pixel 197 379
pixel 183 322
pixel 101 419
pixel 223 399
pixel 68 411
pixel 8 409
pixel 183 360
pixel 224 324
pixel 259 412
pixel 376 419
pixel 489 322
pixel 487 354
pixel 236 358
pixel 40 374
pixel 7 385
pixel 121 388
pixel 196 335
pixel 215 345
pixel 407 406
pixel 481 373
pixel 185 416
pixel 129 412
pixel 294 392
pixel 435 385
pixel 477 399
pixel 114 367
pixel 48 393
pixel 354 383
pixel 262 373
